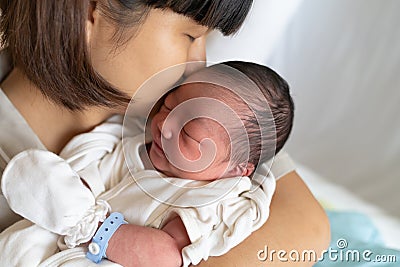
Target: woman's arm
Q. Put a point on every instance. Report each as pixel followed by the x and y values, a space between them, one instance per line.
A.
pixel 296 222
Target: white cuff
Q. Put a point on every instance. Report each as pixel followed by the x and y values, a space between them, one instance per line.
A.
pixel 282 164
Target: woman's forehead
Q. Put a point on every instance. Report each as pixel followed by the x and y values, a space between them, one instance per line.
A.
pixel 177 19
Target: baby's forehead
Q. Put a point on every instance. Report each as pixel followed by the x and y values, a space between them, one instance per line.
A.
pixel 209 104
pixel 206 90
pixel 202 98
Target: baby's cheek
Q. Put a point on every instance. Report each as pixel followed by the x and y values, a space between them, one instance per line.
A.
pixel 191 152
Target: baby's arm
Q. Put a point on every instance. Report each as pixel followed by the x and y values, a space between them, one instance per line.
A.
pixel 213 228
pixel 177 230
pixel 134 245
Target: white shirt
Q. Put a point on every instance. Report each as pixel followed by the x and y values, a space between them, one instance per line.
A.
pixel 47 190
pixel 27 244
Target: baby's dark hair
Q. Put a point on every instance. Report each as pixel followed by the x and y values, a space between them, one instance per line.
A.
pixel 267 116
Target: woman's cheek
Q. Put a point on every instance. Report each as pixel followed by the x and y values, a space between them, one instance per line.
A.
pixel 176 49
pixel 176 58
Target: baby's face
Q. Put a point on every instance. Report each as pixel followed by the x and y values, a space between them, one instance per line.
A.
pixel 177 152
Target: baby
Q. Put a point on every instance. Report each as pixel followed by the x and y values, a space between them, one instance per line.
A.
pixel 192 181
pixel 263 111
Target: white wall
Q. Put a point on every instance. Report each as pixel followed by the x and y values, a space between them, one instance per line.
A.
pixel 342 60
pixel 256 39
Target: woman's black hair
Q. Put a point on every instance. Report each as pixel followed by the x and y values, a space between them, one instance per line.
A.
pixel 47 40
pixel 226 16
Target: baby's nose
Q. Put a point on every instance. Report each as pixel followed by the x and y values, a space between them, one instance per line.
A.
pixel 166 133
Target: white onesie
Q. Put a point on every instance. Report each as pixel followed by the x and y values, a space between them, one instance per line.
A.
pixel 47 189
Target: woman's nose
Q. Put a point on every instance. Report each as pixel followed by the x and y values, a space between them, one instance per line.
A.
pixel 197 55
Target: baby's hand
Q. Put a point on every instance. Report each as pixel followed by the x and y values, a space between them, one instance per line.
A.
pixel 43 188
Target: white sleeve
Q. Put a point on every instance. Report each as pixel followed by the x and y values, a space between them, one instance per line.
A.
pixel 25 244
pixel 86 152
pixel 236 223
pixel 282 164
pixel 98 156
pixel 216 228
pixel 42 187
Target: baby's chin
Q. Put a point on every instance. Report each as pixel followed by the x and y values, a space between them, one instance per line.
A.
pixel 160 162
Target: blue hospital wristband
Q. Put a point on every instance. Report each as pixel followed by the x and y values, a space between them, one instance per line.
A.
pixel 98 246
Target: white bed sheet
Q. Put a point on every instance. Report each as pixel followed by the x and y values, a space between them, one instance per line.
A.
pixel 336 197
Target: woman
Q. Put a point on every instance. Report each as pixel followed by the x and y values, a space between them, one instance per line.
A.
pixel 78 62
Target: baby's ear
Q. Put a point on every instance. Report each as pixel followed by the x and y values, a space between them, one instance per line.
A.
pixel 242 169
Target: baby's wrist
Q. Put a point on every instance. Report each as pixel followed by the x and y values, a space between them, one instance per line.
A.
pixel 98 247
pixel 114 250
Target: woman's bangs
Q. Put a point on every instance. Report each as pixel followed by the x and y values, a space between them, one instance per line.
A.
pixel 224 15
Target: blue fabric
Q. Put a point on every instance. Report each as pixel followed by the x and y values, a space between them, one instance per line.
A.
pixel 354 234
pixel 99 244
